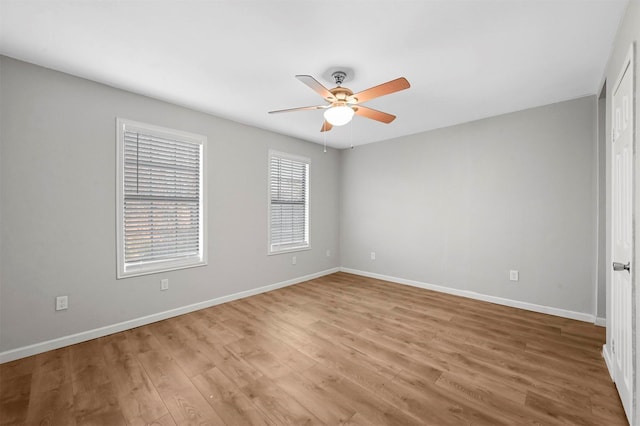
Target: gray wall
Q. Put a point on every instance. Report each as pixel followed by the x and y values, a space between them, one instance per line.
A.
pixel 456 207
pixel 58 177
pixel 461 206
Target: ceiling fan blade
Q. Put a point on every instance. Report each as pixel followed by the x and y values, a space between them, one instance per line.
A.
pixel 317 87
pixel 374 114
pixel 300 109
pixel 382 89
pixel 326 126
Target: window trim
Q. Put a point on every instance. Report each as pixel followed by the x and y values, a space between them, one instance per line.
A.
pixel 307 245
pixel 122 271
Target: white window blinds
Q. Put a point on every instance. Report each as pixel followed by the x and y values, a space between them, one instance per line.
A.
pixel 162 200
pixel 289 202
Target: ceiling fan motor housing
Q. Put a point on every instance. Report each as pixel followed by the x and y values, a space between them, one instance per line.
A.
pixel 343 94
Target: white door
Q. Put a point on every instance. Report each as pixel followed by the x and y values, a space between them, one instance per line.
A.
pixel 622 277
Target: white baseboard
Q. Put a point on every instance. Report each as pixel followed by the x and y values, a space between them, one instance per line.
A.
pixel 602 322
pixel 48 345
pixel 60 342
pixel 479 296
pixel 608 361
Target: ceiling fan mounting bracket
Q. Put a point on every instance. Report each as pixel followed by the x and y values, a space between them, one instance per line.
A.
pixel 338 77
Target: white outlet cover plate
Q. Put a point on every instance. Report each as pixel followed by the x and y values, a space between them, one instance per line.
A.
pixel 62 303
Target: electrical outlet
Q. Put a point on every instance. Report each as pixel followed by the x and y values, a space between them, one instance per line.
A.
pixel 514 275
pixel 373 255
pixel 164 284
pixel 294 260
pixel 62 303
pixel 328 253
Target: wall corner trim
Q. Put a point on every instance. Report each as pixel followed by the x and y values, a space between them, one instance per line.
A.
pixel 602 322
pixel 479 296
pixel 36 348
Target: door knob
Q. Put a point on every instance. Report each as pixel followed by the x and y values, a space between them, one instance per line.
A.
pixel 617 266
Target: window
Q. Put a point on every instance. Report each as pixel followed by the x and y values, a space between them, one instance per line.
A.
pixel 160 199
pixel 288 202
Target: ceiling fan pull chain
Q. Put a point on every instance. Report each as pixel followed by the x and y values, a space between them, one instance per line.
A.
pixel 325 137
pixel 351 129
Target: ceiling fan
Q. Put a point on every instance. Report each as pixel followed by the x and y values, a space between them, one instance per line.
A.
pixel 343 103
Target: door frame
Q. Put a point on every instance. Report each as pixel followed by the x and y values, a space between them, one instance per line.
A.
pixel 635 256
pixel 635 305
pixel 601 214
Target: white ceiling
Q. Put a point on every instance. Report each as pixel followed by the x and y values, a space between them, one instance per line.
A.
pixel 237 59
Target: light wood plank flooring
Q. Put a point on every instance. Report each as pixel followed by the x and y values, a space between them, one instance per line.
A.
pixel 341 349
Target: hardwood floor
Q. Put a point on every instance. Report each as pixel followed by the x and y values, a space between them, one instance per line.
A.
pixel 341 349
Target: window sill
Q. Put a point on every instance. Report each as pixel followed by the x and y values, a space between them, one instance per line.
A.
pixel 289 250
pixel 136 271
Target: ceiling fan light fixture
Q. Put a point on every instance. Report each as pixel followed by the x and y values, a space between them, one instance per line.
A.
pixel 341 103
pixel 339 115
